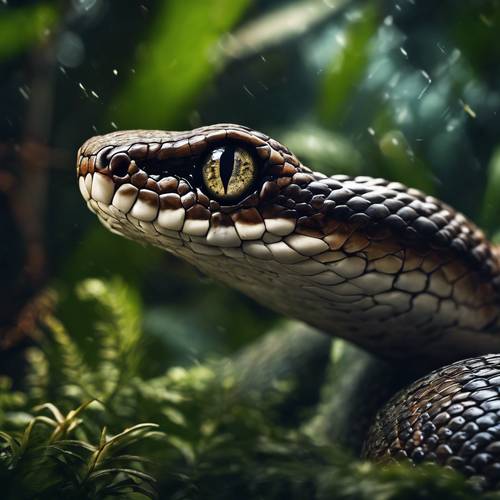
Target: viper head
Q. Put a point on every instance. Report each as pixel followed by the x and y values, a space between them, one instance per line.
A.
pixel 220 185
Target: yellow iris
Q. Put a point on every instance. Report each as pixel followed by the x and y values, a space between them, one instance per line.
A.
pixel 228 172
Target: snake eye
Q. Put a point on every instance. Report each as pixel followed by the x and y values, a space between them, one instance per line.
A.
pixel 228 172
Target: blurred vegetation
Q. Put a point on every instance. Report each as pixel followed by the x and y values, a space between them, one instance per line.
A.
pixel 178 42
pixel 110 432
pixel 22 27
pixel 348 64
pixel 398 89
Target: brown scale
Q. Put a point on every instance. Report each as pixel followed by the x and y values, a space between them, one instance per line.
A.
pixel 247 216
pixel 148 197
pixel 170 201
pixel 198 212
pixel 168 185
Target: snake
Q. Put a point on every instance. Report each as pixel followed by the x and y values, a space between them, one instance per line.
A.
pixel 399 273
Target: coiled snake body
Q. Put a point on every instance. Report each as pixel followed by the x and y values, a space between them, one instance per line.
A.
pixel 385 266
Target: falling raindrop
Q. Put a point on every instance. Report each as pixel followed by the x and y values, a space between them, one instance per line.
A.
pixel 24 91
pixel 248 91
pixel 429 81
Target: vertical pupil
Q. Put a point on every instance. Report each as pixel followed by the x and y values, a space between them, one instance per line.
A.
pixel 226 166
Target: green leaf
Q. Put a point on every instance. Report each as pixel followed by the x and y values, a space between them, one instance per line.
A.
pixel 131 472
pixel 67 453
pixel 348 65
pixel 59 417
pixel 22 27
pixel 128 458
pixel 125 485
pixel 76 443
pixel 175 62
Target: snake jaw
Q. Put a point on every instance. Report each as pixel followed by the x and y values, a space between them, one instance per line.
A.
pixel 367 259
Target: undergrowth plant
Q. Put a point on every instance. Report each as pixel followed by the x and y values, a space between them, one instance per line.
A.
pixel 90 424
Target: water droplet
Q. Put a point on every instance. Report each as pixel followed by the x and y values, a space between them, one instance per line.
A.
pixel 24 91
pixel 441 48
pixel 429 81
pixel 248 91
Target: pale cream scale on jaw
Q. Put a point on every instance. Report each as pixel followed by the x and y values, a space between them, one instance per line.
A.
pixel 103 188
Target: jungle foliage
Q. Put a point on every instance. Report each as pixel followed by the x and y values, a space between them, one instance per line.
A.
pixel 94 426
pixel 127 375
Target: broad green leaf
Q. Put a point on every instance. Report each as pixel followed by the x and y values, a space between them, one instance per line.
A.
pixel 348 65
pixel 175 62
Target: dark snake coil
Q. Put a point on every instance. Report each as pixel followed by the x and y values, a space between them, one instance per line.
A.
pixel 451 417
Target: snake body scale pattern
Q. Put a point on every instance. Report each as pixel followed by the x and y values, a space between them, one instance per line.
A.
pixel 387 267
pixel 451 417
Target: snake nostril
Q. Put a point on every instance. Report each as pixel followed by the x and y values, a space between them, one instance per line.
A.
pixel 119 164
